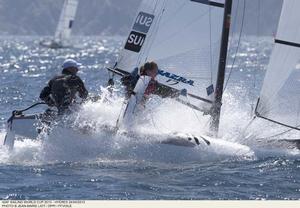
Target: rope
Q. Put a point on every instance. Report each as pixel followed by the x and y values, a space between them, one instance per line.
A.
pixel 238 46
pixel 249 124
pixel 268 137
pixel 16 112
pixel 279 134
pixel 210 47
pixel 19 112
pixel 194 112
pixel 254 75
pixel 150 41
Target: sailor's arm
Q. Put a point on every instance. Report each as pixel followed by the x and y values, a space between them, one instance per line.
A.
pixel 83 93
pixel 45 94
pixel 165 91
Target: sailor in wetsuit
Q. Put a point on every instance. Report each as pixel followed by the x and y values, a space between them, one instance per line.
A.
pixel 61 90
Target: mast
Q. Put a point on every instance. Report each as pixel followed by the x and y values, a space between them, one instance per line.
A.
pixel 216 108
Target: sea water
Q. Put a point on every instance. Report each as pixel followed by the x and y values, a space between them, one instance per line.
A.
pixel 89 162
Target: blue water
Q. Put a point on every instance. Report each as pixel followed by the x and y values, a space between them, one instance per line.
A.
pixel 71 165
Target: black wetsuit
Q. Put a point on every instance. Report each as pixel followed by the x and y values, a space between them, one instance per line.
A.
pixel 61 91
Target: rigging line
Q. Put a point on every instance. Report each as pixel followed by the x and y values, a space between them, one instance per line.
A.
pixel 180 55
pixel 248 125
pixel 156 127
pixel 151 37
pixel 161 124
pixel 234 24
pixel 155 6
pixel 210 47
pixel 173 14
pixel 279 134
pixel 255 71
pixel 298 112
pixel 181 30
pixel 238 46
pixel 195 113
pixel 121 55
pixel 154 33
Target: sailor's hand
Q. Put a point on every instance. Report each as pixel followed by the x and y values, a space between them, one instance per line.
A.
pixel 183 92
pixel 50 102
pixel 126 80
pixel 110 82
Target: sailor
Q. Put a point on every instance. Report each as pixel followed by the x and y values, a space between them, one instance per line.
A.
pixel 148 69
pixel 62 90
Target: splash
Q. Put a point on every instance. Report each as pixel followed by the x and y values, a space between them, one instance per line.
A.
pixel 90 135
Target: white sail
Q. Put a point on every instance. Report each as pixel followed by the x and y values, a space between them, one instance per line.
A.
pixel 66 20
pixel 183 38
pixel 280 94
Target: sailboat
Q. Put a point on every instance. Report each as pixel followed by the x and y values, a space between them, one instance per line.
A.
pixel 189 41
pixel 279 102
pixel 64 27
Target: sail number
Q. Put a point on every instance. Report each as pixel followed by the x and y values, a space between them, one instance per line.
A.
pixel 143 22
pixel 135 41
pixel 140 28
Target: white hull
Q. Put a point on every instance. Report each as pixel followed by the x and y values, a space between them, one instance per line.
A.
pixel 53 44
pixel 28 126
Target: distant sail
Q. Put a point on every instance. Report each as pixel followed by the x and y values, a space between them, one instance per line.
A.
pixel 280 95
pixel 183 37
pixel 66 20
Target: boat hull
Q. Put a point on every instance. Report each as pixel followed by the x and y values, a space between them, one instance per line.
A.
pixel 53 44
pixel 28 126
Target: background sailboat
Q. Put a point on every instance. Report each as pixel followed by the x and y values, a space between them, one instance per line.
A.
pixel 64 27
pixel 279 101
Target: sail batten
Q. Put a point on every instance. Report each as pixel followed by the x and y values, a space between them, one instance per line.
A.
pixel 211 3
pixel 288 43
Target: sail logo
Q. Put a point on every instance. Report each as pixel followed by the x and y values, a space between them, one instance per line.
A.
pixel 143 22
pixel 135 41
pixel 175 77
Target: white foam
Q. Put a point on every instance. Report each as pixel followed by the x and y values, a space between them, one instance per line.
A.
pixel 89 139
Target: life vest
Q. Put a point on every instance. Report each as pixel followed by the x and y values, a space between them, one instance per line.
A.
pixel 61 91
